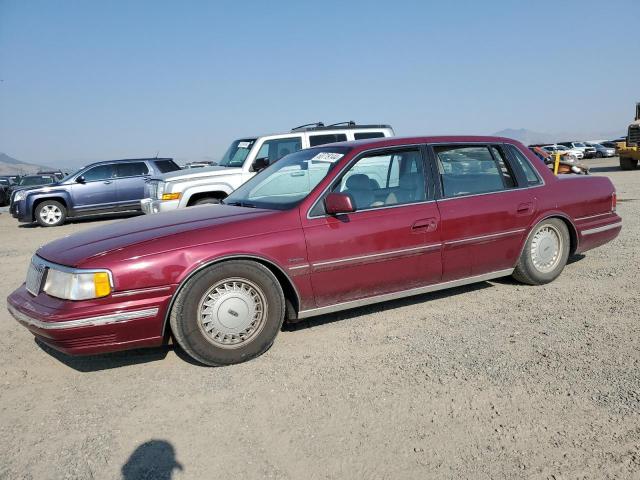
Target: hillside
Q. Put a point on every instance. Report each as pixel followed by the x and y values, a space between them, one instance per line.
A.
pixel 11 166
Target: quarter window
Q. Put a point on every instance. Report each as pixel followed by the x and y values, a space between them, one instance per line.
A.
pixel 531 175
pixel 101 172
pixel 274 150
pixel 468 170
pixel 381 180
pixel 315 140
pixel 134 169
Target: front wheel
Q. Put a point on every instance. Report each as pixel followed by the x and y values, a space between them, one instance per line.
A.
pixel 50 213
pixel 599 155
pixel 545 253
pixel 228 313
pixel 627 163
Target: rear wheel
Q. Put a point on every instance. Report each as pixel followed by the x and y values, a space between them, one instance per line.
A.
pixel 545 253
pixel 229 313
pixel 50 213
pixel 599 155
pixel 627 163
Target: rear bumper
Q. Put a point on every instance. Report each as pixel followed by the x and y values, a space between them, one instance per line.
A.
pixel 151 206
pixel 92 327
pixel 597 231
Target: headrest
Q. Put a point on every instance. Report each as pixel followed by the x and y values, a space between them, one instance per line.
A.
pixel 359 181
pixel 409 182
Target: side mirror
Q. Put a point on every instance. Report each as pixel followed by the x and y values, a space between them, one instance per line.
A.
pixel 80 179
pixel 260 164
pixel 337 203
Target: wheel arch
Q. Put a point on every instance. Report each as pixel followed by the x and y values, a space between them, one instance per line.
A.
pixel 573 232
pixel 218 190
pixel 291 295
pixel 38 200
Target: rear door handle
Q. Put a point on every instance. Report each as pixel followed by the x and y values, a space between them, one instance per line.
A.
pixel 425 225
pixel 524 208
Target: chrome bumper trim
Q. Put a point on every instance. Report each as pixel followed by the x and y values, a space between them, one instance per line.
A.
pixel 602 229
pixel 405 293
pixel 83 322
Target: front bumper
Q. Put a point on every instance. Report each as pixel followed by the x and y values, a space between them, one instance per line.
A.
pixel 19 210
pixel 133 320
pixel 151 206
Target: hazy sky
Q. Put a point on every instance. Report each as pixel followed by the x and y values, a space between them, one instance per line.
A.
pixel 89 80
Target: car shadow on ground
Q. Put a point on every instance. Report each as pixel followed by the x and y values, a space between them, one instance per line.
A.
pixel 155 459
pixel 605 169
pixel 88 219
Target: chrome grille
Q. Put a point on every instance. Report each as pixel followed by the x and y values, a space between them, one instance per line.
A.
pixel 35 274
pixel 633 138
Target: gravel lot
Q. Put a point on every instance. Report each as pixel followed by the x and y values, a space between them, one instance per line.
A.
pixel 494 380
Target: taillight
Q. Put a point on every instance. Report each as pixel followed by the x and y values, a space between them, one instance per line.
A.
pixel 614 201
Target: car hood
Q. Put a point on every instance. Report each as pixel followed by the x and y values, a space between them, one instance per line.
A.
pixel 185 226
pixel 17 188
pixel 180 175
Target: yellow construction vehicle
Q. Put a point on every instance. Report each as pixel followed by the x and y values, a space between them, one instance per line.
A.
pixel 629 151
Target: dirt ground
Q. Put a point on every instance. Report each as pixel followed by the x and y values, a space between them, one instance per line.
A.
pixel 494 380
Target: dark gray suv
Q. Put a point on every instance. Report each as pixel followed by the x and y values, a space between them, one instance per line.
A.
pixel 103 187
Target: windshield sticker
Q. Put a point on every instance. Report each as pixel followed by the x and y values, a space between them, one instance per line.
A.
pixel 328 157
pixel 244 144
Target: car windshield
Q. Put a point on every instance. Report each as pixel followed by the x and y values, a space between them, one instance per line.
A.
pixel 561 147
pixel 35 180
pixel 288 181
pixel 237 153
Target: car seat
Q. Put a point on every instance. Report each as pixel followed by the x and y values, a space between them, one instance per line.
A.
pixel 360 189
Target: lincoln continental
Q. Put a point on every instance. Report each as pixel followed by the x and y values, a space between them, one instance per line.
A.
pixel 321 230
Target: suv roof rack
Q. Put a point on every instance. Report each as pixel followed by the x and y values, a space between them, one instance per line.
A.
pixel 319 126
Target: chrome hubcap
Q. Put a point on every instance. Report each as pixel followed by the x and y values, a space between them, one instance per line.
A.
pixel 546 248
pixel 232 312
pixel 50 214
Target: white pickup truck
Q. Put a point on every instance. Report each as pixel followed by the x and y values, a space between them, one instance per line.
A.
pixel 245 157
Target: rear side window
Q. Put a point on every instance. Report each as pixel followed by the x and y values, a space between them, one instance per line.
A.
pixel 133 169
pixel 101 172
pixel 469 170
pixel 365 135
pixel 315 140
pixel 529 172
pixel 166 166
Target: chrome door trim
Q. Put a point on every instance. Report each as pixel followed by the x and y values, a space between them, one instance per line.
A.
pixel 376 255
pixel 401 294
pixel 604 228
pixel 128 293
pixel 485 237
pixel 594 216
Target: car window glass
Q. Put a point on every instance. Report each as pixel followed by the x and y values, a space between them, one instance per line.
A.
pixel 133 169
pixel 365 135
pixel 529 172
pixel 101 172
pixel 315 140
pixel 507 177
pixel 467 170
pixel 380 180
pixel 274 150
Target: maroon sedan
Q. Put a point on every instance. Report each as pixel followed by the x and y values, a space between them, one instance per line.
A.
pixel 322 230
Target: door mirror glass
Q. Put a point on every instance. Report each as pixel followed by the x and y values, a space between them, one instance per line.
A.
pixel 260 164
pixel 80 179
pixel 337 203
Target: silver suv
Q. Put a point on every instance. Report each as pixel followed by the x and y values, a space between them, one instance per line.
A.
pixel 244 158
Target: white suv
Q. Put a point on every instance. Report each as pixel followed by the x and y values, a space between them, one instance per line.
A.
pixel 244 158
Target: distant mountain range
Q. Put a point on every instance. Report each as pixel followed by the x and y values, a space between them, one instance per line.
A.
pixel 529 136
pixel 12 166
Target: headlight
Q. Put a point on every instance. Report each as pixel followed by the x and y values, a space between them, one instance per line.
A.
pixel 77 285
pixel 160 190
pixel 20 195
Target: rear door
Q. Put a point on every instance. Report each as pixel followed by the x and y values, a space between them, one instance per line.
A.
pixel 485 210
pixel 130 183
pixel 391 243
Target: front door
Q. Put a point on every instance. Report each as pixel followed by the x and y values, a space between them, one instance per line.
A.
pixel 389 244
pixel 94 188
pixel 485 214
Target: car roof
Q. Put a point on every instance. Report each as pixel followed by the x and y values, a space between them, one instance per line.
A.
pixel 399 141
pixel 125 160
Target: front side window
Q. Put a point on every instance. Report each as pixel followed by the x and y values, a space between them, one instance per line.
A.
pixel 101 172
pixel 274 150
pixel 385 179
pixel 289 181
pixel 469 170
pixel 133 169
pixel 315 140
